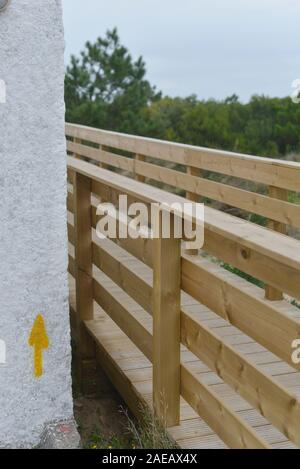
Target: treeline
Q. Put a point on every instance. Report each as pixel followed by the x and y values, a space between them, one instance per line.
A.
pixel 106 88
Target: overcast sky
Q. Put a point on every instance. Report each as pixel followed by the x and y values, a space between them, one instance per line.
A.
pixel 212 48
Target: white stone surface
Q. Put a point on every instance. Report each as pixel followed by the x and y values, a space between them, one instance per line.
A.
pixel 33 239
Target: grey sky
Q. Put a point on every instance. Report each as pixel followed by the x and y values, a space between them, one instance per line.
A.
pixel 213 48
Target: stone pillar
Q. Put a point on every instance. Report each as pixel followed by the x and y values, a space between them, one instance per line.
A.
pixel 35 358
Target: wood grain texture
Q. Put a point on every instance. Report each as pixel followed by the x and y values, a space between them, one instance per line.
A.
pixel 278 173
pixel 166 328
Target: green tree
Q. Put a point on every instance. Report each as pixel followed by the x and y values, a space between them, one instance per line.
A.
pixel 105 88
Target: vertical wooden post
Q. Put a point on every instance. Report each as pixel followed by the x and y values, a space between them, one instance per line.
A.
pixel 166 327
pixel 84 279
pixel 102 165
pixel 77 140
pixel 137 177
pixel 272 293
pixel 193 198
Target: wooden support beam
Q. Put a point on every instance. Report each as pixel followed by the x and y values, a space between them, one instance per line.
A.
pixel 193 197
pixel 282 194
pixel 83 276
pixel 138 177
pixel 77 141
pixel 166 328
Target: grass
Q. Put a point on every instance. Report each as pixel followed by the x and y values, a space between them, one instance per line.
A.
pixel 149 433
pixel 146 433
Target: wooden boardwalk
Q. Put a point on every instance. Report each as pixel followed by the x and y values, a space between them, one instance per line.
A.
pixel 209 352
pixel 131 372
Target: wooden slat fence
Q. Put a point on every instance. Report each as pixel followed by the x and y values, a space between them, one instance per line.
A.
pixel 268 255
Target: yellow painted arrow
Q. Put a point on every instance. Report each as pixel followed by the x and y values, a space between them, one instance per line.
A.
pixel 39 340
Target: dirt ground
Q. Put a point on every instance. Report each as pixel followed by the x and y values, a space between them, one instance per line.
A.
pixel 102 419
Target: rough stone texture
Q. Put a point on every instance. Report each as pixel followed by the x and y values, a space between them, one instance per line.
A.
pixel 33 238
pixel 60 435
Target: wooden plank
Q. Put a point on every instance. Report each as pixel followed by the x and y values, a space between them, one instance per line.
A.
pixel 141 248
pixel 242 305
pixel 166 328
pixel 70 202
pixel 261 266
pixel 71 267
pixel 217 414
pixel 116 269
pixel 136 332
pixel 83 272
pixel 137 176
pixel 106 158
pixel 272 400
pixel 257 251
pixel 71 234
pixel 190 195
pixel 280 209
pixel 269 171
pixel 70 175
pixel 83 246
pixel 122 383
pixel 278 194
pixel 77 141
pixel 272 293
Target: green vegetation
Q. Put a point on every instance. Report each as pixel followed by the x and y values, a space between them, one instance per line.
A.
pixel 145 434
pixel 148 433
pixel 243 275
pixel 105 88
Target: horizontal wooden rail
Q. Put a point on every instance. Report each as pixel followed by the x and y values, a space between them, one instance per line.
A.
pixel 277 210
pixel 139 335
pixel 267 171
pixel 269 256
pixel 102 156
pixel 263 205
pixel 242 305
pixel 280 211
pixel 122 275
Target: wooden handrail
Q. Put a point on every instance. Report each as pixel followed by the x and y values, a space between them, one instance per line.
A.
pixel 279 176
pixel 269 171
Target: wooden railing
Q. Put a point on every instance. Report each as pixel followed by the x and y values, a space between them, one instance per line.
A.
pixel 271 257
pixel 277 177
